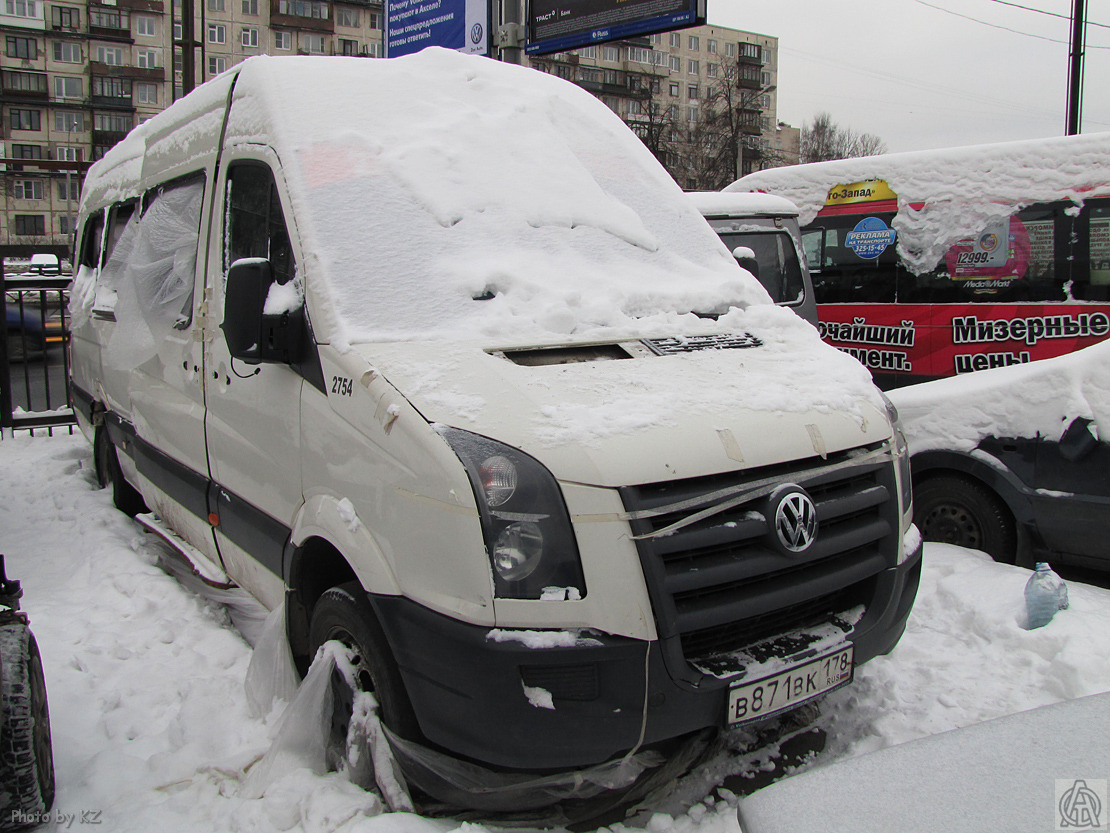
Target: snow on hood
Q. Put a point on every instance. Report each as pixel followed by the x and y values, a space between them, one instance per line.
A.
pixel 959 190
pixel 1041 397
pixel 649 418
pixel 422 183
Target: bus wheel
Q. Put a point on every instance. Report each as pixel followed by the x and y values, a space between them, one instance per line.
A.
pixel 125 497
pixel 344 614
pixel 957 510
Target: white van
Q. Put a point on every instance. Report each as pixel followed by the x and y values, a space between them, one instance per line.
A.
pixel 432 351
pixel 761 231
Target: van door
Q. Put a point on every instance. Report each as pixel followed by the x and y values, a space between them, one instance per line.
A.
pixel 253 411
pixel 155 345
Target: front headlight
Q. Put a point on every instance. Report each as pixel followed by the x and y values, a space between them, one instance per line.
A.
pixel 527 528
pixel 901 456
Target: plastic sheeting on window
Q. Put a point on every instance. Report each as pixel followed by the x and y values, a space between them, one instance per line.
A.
pixel 151 271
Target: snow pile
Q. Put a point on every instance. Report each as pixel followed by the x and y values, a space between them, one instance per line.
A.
pixel 153 728
pixel 1040 398
pixel 945 194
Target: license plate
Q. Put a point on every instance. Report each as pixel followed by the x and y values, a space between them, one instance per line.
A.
pixel 791 687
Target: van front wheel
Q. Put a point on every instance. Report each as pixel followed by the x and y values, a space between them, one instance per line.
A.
pixel 344 614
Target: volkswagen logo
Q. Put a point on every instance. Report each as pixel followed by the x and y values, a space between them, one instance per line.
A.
pixel 795 518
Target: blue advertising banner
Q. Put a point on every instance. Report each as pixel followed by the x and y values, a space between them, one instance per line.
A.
pixel 412 25
pixel 557 25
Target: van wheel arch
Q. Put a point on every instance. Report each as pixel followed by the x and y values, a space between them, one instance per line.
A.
pixel 315 567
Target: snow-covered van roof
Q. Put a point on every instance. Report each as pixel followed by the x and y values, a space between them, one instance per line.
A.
pixel 420 184
pixel 736 204
pixel 954 189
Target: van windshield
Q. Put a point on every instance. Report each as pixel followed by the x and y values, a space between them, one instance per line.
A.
pixel 778 268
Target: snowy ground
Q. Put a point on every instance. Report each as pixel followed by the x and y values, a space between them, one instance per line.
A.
pixel 152 729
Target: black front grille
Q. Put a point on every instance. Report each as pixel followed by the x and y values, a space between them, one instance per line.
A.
pixel 721 583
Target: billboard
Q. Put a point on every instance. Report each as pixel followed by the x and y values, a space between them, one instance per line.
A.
pixel 556 25
pixel 412 25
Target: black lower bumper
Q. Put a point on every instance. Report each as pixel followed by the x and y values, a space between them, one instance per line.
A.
pixel 477 693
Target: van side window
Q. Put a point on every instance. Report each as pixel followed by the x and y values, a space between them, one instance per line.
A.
pixel 92 240
pixel 255 224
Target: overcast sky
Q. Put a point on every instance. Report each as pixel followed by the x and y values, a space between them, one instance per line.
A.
pixel 922 74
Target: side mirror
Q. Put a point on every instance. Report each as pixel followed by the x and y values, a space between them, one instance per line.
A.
pixel 253 336
pixel 1078 440
pixel 746 258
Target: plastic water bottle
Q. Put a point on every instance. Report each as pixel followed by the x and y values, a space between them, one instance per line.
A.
pixel 1045 593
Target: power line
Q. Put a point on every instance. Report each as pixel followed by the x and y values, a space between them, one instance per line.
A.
pixel 1000 26
pixel 1044 12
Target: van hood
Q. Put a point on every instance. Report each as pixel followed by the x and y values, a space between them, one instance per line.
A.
pixel 642 410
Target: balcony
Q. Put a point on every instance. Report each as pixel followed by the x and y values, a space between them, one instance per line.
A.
pixel 107 138
pixel 156 6
pixel 308 15
pixel 110 24
pixel 136 73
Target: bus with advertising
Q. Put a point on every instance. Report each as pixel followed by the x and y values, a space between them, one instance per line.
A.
pixel 936 263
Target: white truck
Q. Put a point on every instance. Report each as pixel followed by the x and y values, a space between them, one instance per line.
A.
pixel 434 353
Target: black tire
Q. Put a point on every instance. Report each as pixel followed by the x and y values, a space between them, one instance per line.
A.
pixel 125 496
pixel 344 614
pixel 957 510
pixel 26 755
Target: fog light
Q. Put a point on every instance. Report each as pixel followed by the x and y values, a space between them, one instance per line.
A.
pixel 517 551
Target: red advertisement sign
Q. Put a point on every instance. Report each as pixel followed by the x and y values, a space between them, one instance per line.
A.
pixel 920 341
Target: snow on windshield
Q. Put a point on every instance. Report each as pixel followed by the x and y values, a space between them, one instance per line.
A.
pixel 962 189
pixel 423 183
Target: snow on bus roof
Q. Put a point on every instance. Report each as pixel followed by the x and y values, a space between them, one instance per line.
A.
pixel 735 204
pixel 962 189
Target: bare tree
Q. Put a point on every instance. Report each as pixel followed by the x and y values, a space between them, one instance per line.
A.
pixel 824 139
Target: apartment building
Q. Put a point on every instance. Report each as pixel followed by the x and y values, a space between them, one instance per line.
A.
pixel 77 76
pixel 671 87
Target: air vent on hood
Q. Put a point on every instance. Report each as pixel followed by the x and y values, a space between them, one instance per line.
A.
pixel 690 344
pixel 569 354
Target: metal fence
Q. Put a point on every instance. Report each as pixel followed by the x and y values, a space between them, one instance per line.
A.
pixel 34 359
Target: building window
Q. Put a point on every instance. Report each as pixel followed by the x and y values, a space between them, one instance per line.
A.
pixel 693 68
pixel 27 225
pixel 250 7
pixel 216 65
pixel 26 152
pixel 694 43
pixel 372 49
pixel 374 20
pixel 68 122
pixel 730 50
pixel 112 122
pixel 312 44
pixel 610 53
pixel 108 87
pixel 304 8
pixel 346 17
pixel 676 63
pixel 178 31
pixel 101 19
pixel 147 58
pixel 145 26
pixel 282 40
pixel 588 52
pixel 249 37
pixel 672 112
pixel 676 39
pixel 68 53
pixel 26 48
pixel 217 33
pixel 146 93
pixel 28 189
pixel 67 154
pixel 692 91
pixel 711 70
pixel 68 87
pixel 765 79
pixel 215 5
pixel 74 190
pixel 24 82
pixel 692 114
pixel 65 224
pixel 21 8
pixel 63 17
pixel 110 55
pixel 674 89
pixel 20 119
pixel 711 46
pixel 348 47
